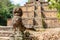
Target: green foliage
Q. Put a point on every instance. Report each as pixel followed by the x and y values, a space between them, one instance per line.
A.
pixel 55 4
pixel 28 0
pixel 6 8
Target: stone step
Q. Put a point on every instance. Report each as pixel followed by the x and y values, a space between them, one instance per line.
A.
pixel 50 14
pixel 31 14
pixel 28 14
pixel 6 33
pixel 4 28
pixel 30 8
pixel 44 3
pixel 5 38
pixel 52 23
pixel 46 8
pixel 46 34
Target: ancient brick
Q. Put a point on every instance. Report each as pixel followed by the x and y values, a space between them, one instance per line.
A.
pixel 38 14
pixel 23 8
pixel 50 14
pixel 46 8
pixel 30 3
pixel 28 23
pixel 52 23
pixel 25 15
pixel 30 8
pixel 9 22
pixel 28 14
pixel 38 22
pixel 39 8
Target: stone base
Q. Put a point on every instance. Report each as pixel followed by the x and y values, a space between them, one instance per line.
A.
pixel 45 34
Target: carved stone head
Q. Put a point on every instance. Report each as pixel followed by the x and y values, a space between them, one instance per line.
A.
pixel 17 12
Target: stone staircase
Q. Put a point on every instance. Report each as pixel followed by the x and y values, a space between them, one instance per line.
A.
pixel 6 32
pixel 45 34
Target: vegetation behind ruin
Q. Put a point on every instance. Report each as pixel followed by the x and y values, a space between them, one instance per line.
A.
pixel 6 8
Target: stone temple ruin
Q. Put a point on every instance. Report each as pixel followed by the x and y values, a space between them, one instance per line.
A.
pixel 31 19
pixel 36 14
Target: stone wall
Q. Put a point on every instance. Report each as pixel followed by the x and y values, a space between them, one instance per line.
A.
pixel 6 32
pixel 9 22
pixel 40 11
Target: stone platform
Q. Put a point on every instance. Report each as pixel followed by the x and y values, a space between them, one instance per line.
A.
pixel 6 32
pixel 45 34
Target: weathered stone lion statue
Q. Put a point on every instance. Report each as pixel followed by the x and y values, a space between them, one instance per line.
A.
pixel 17 19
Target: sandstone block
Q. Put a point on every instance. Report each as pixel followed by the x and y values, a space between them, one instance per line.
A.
pixel 30 8
pixel 25 15
pixel 30 3
pixel 49 14
pixel 28 14
pixel 23 8
pixel 46 34
pixel 39 8
pixel 37 14
pixel 38 22
pixel 46 8
pixel 28 23
pixel 55 23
